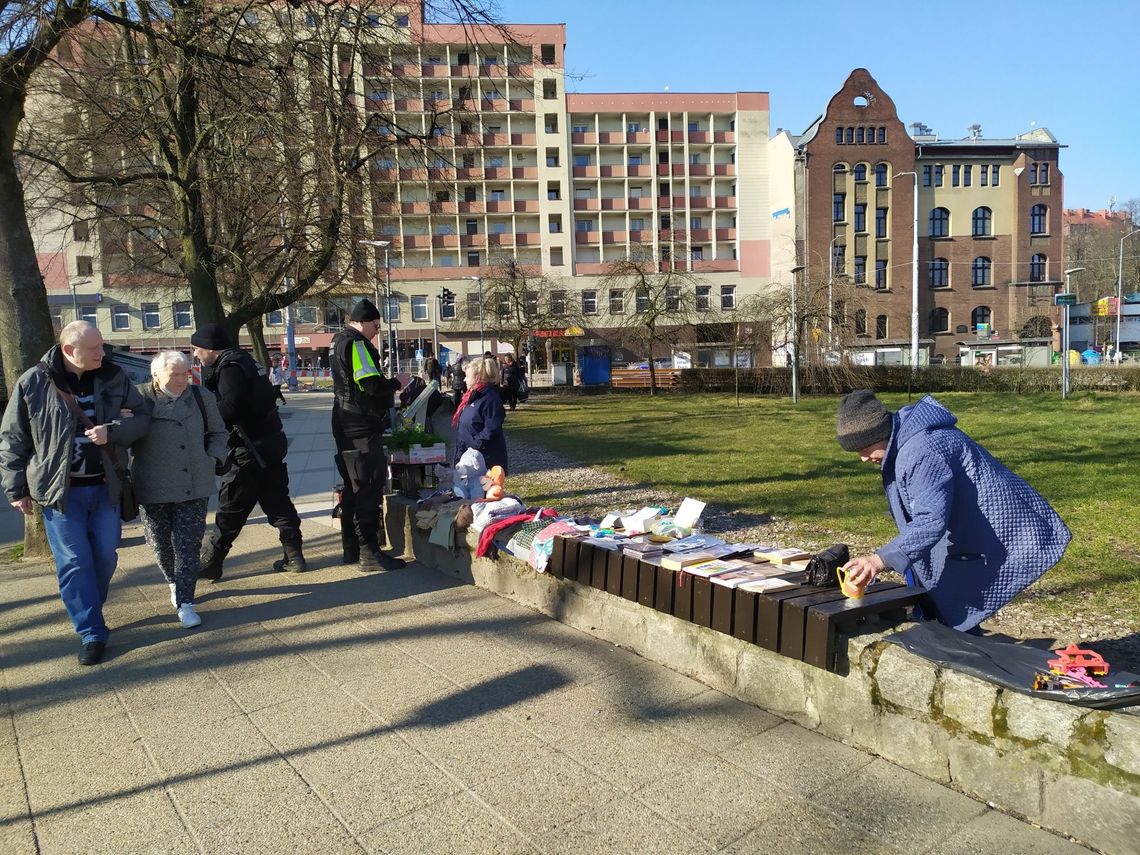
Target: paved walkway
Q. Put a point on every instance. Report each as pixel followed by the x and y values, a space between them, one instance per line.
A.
pixel 405 712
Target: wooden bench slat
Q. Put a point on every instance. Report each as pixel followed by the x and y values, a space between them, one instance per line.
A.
pixel 825 620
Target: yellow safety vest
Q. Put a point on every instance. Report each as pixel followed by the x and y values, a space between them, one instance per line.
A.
pixel 363 365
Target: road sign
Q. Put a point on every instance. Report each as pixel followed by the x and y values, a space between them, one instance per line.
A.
pixel 1064 299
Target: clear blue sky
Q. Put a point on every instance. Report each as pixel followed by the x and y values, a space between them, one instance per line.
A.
pixel 1068 66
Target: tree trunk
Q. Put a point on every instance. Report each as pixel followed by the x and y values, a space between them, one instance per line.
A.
pixel 257 336
pixel 26 331
pixel 35 536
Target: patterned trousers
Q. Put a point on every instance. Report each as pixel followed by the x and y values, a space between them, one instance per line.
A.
pixel 174 531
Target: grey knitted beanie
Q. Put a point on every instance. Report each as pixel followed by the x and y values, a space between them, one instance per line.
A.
pixel 862 420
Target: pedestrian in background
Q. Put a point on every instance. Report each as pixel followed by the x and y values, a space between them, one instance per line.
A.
pixel 478 422
pixel 511 379
pixel 277 378
pixel 63 444
pixel 459 380
pixel 172 468
pixel 257 474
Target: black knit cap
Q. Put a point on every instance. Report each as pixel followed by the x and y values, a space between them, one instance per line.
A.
pixel 211 337
pixel 862 420
pixel 364 311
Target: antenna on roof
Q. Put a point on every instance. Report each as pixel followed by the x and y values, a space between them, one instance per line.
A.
pixel 975 131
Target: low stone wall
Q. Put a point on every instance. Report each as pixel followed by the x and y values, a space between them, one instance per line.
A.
pixel 1067 768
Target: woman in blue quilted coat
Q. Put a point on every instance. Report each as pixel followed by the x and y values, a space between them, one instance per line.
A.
pixel 971 532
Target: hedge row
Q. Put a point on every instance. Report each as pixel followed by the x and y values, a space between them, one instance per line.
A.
pixel 836 381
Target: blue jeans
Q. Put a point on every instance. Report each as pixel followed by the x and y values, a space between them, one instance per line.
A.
pixel 84 542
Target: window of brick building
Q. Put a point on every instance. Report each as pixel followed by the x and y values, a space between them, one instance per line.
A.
pixel 981 269
pixel 939 275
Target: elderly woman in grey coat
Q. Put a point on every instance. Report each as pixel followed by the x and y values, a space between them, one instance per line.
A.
pixel 173 473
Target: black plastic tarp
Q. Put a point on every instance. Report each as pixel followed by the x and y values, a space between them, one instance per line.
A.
pixel 1010 665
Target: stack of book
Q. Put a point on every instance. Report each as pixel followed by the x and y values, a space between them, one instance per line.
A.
pixel 641 549
pixel 783 556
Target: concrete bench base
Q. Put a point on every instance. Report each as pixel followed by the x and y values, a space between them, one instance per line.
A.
pixel 1070 769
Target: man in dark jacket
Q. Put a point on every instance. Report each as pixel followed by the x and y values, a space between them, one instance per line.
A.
pixel 363 399
pixel 48 455
pixel 257 473
pixel 971 532
pixel 511 380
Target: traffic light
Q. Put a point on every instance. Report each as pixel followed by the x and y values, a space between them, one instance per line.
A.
pixel 447 297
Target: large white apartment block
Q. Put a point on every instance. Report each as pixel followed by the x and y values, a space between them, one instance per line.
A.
pixel 564 183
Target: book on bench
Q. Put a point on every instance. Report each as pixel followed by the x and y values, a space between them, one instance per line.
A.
pixel 739 576
pixel 783 556
pixel 768 585
pixel 684 560
pixel 713 568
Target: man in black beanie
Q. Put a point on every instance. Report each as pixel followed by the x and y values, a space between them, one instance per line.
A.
pixel 257 473
pixel 971 532
pixel 363 399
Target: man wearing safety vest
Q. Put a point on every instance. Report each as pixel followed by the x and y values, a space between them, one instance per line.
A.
pixel 363 397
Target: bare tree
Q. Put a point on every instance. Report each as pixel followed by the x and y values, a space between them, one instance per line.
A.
pixel 516 301
pixel 661 303
pixel 225 147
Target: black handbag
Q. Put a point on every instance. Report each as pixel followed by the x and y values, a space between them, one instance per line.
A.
pixel 129 507
pixel 821 569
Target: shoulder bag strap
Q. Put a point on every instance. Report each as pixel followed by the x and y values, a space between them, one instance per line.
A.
pixel 197 393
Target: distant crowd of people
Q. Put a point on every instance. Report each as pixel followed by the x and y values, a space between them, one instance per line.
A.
pixel 87 445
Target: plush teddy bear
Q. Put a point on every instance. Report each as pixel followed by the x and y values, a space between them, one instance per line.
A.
pixel 467 474
pixel 492 483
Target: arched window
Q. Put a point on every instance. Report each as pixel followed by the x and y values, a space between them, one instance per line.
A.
pixel 980 276
pixel 939 273
pixel 980 315
pixel 860 322
pixel 881 170
pixel 940 223
pixel 860 172
pixel 881 326
pixel 983 222
pixel 1038 266
pixel 839 168
pixel 1037 216
pixel 939 320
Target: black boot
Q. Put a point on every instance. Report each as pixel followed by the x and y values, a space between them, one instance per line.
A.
pixel 349 544
pixel 373 559
pixel 214 552
pixel 294 560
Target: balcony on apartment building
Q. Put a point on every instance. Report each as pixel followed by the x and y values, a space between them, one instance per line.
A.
pixel 414 207
pixel 725 234
pixel 404 70
pixel 724 136
pixel 472 207
pixel 525 173
pixel 640 170
pixel 500 206
pixel 640 203
pixel 724 169
pixel 714 265
pixel 501 239
pixel 640 236
pixel 496 173
pixel 435 69
pixel 700 169
pixel 724 201
pixel 591 204
pixel 701 202
pixel 450 241
pixel 528 238
pixel 583 138
pixel 524 139
pixel 443 207
pixel 521 105
pixel 526 206
pixel 493 105
pixel 700 235
pixel 585 172
pixel 409 105
pixel 616 203
pixel 441 173
pixel 611 170
pixel 581 237
pixel 615 236
pixel 413 173
pixel 591 268
pixel 418 241
pixel 473 240
pixel 496 139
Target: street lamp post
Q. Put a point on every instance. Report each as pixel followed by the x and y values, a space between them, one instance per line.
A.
pixel 1065 337
pixel 75 299
pixel 795 338
pixel 913 276
pixel 478 280
pixel 1120 292
pixel 386 312
pixel 830 282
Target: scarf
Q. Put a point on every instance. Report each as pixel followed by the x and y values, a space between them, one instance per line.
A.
pixel 478 387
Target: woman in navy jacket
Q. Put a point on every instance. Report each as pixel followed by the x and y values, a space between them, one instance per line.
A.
pixel 478 421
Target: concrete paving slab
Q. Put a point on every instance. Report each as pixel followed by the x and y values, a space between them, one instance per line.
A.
pixel 996 833
pixel 797 760
pixel 625 825
pixel 802 829
pixel 633 756
pixel 456 824
pixel 882 797
pixel 716 722
pixel 732 802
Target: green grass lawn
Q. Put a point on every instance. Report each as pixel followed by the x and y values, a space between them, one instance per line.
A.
pixel 771 457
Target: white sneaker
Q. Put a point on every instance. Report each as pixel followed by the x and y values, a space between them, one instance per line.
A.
pixel 188 616
pixel 173 595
